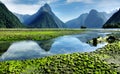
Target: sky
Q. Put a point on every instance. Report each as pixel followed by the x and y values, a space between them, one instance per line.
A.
pixel 64 9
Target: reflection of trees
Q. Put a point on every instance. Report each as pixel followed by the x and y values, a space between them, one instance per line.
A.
pixel 4 46
pixel 94 41
pixel 46 45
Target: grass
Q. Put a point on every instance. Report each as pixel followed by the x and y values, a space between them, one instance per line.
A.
pixel 103 61
pixel 7 36
pixel 34 34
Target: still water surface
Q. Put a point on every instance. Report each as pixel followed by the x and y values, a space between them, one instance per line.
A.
pixel 60 45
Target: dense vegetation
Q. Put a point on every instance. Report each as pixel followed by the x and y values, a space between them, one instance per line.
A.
pixel 33 34
pixel 82 63
pixel 112 25
pixel 103 61
pixel 7 19
pixel 114 21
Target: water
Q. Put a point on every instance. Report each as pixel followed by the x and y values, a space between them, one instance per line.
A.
pixel 61 45
pixel 24 50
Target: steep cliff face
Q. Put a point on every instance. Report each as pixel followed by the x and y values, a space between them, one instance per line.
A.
pixel 44 18
pixel 114 21
pixel 93 19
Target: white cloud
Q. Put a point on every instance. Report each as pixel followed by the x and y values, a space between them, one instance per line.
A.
pixel 24 8
pixel 83 1
pixel 108 5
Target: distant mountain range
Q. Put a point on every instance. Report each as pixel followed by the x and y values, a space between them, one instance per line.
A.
pixel 45 18
pixel 114 21
pixel 78 22
pixel 93 19
pixel 8 19
pixel 22 17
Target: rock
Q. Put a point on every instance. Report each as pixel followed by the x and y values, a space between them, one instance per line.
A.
pixel 111 39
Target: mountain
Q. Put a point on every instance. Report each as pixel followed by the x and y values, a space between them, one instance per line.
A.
pixel 44 18
pixel 8 19
pixel 78 22
pixel 114 21
pixel 93 19
pixel 22 17
pixel 108 15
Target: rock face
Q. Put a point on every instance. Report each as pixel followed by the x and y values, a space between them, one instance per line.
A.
pixel 114 21
pixel 93 19
pixel 44 18
pixel 78 22
pixel 8 19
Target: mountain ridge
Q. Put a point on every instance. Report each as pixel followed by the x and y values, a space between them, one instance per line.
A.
pixel 9 20
pixel 114 21
pixel 51 18
pixel 76 23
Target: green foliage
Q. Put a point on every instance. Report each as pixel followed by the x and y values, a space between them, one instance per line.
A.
pixel 82 63
pixel 7 19
pixel 33 34
pixel 110 53
pixel 78 63
pixel 112 25
pixel 70 63
pixel 110 49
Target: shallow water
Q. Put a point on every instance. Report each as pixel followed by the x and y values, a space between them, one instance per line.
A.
pixel 61 45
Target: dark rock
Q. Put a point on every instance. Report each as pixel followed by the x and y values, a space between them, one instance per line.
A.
pixel 95 42
pixel 111 39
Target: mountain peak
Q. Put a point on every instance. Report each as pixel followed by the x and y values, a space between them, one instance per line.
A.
pixel 93 11
pixel 46 5
pixel 45 8
pixel 1 2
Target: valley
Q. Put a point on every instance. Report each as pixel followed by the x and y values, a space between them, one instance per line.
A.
pixel 59 37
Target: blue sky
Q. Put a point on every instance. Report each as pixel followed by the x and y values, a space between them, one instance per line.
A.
pixel 64 9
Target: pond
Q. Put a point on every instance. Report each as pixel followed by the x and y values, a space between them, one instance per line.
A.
pixel 61 45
